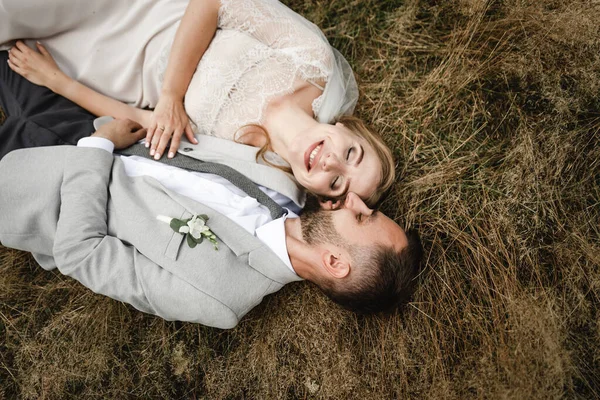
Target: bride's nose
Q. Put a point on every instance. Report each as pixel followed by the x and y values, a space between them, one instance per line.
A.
pixel 330 162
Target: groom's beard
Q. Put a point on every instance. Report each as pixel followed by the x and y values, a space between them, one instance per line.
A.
pixel 317 227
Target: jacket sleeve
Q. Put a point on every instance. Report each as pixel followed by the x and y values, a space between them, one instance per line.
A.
pixel 84 251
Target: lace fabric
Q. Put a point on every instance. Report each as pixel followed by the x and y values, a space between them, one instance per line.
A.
pixel 262 50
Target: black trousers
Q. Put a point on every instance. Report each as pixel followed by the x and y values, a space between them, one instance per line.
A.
pixel 32 116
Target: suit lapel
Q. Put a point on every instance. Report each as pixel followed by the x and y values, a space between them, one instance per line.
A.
pixel 243 159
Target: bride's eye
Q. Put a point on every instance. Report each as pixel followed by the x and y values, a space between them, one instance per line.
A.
pixel 350 150
pixel 335 183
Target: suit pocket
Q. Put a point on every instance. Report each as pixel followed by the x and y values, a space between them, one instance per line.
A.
pixel 173 246
pixel 176 240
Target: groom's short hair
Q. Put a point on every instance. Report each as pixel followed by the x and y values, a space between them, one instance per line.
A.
pixel 382 279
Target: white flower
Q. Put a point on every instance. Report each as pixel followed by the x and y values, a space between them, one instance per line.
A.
pixel 195 226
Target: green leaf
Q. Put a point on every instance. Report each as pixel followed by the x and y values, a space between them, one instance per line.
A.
pixel 204 217
pixel 190 241
pixel 176 224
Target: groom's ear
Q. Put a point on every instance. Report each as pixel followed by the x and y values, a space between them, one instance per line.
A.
pixel 336 263
pixel 329 204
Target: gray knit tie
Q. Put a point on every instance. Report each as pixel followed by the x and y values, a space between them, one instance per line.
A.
pixel 225 171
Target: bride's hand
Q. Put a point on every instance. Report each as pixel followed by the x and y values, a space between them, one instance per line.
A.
pixel 169 121
pixel 38 68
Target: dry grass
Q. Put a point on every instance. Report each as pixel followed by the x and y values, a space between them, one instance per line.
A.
pixel 492 109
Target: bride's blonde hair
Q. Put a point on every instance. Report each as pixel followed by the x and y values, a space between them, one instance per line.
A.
pixel 358 127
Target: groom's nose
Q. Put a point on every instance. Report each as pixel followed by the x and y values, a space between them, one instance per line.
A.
pixel 355 203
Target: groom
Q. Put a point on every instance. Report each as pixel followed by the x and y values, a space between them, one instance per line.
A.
pixel 81 210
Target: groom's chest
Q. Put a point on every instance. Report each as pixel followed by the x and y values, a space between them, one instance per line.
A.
pixel 232 274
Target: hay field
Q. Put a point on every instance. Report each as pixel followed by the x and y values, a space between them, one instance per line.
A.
pixel 493 111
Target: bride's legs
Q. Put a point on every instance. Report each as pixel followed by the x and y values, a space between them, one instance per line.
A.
pixel 35 116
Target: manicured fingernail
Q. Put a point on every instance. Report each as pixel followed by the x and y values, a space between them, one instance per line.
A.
pixel 147 144
pixel 151 152
pixel 157 156
pixel 171 154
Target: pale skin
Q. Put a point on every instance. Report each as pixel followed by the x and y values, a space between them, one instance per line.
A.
pixel 288 119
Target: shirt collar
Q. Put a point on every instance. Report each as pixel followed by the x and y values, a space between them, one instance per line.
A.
pixel 273 235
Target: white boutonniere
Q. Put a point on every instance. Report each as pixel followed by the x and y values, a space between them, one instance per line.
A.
pixel 194 229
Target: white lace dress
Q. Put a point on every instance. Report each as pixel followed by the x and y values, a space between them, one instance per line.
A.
pixel 261 50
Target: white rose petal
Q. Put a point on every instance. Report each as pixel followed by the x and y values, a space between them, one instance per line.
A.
pixel 196 227
pixel 184 229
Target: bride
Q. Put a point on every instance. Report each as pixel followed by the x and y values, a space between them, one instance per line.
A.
pixel 252 71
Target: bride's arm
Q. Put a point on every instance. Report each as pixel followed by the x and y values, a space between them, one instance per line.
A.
pixel 194 34
pixel 41 69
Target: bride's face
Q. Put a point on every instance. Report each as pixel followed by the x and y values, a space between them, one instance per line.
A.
pixel 330 160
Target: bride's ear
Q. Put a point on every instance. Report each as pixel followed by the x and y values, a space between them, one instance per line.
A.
pixel 330 205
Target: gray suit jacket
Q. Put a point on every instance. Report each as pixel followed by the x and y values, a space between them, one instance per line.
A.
pixel 77 210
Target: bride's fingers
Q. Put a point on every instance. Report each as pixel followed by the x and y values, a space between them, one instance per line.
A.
pixel 189 134
pixel 150 134
pixel 23 47
pixel 13 61
pixel 43 50
pixel 154 142
pixel 15 68
pixel 15 55
pixel 159 140
pixel 162 144
pixel 175 141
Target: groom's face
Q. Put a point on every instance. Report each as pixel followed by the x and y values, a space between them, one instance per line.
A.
pixel 352 225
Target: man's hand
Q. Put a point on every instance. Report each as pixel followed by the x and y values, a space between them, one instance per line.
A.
pixel 122 132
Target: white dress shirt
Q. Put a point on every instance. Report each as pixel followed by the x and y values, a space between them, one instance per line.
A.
pixel 215 192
